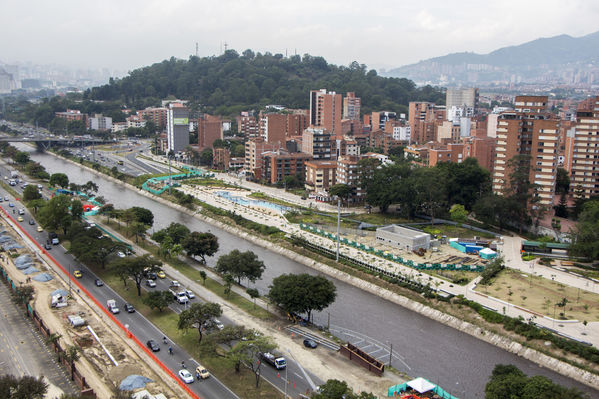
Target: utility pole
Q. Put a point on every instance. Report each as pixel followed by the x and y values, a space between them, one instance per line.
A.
pixel 390 353
pixel 338 225
pixel 170 182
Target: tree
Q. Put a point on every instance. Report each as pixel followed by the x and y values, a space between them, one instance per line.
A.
pixel 519 190
pixel 137 268
pixel 203 276
pixel 108 211
pixel 253 293
pixel 343 191
pixel 25 387
pixel 158 299
pixel 143 215
pixel 302 293
pixel 507 381
pixel 176 231
pixel 76 209
pixel 241 265
pixel 138 230
pixel 59 179
pixel 429 192
pixel 199 315
pixel 458 213
pixel 71 355
pixel 23 294
pixel 55 213
pixel 206 157
pixel 229 334
pixel 586 232
pixel 200 244
pixel 31 193
pixel 561 210
pixel 246 352
pixel 21 157
pixel 228 279
pixel 562 181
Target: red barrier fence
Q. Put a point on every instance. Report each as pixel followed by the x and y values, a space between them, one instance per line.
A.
pixel 110 315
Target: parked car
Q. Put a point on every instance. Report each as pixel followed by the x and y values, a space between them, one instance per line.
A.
pixel 310 343
pixel 189 293
pixel 150 283
pixel 99 282
pixel 218 324
pixel 153 345
pixel 186 376
pixel 120 254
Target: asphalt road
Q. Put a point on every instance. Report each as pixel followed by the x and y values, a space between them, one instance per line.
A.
pixel 141 327
pixel 23 350
pixel 144 330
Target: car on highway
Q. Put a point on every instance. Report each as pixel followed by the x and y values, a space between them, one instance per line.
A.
pixel 11 204
pixel 120 254
pixel 201 372
pixel 161 274
pixel 77 273
pixel 31 222
pixel 5 198
pixel 20 218
pixel 39 229
pixel 99 282
pixel 153 345
pixel 129 308
pixel 150 283
pixel 21 211
pixel 47 246
pixel 175 283
pixel 189 293
pixel 186 376
pixel 310 343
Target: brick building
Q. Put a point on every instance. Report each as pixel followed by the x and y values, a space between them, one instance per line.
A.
pixel 320 176
pixel 326 110
pixel 210 128
pixel 318 143
pixel 280 164
pixel 351 106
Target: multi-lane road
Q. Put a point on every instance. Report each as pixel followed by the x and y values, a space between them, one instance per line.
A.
pixel 143 329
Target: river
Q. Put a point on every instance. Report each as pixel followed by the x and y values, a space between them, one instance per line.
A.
pixel 458 362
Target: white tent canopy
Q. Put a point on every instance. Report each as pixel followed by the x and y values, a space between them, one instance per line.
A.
pixel 487 251
pixel 421 385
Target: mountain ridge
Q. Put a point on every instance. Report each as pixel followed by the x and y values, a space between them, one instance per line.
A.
pixel 533 60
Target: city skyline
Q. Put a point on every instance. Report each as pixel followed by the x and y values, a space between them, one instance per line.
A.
pixel 383 34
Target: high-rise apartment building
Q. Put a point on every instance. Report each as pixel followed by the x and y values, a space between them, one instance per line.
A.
pixel 582 148
pixel 351 106
pixel 210 128
pixel 177 127
pixel 461 98
pixel 424 117
pixel 529 131
pixel 325 110
pixel 273 127
pixel 318 143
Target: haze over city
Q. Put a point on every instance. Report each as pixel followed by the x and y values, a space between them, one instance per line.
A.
pixel 380 34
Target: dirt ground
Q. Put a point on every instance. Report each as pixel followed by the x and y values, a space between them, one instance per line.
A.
pixel 540 295
pixel 100 373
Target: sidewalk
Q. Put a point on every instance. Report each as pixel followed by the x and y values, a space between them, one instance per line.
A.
pixel 333 366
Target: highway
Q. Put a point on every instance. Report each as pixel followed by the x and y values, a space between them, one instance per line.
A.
pixel 144 330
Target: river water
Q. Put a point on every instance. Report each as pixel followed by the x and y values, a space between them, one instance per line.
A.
pixel 422 347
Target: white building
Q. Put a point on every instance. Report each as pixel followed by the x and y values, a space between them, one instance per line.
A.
pixel 403 237
pixel 402 133
pixel 100 122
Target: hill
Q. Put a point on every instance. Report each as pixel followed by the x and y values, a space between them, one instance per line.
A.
pixel 232 82
pixel 557 59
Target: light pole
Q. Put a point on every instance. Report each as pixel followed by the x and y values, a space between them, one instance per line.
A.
pixel 390 352
pixel 70 280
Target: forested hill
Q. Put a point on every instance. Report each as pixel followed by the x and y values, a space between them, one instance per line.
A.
pixel 232 82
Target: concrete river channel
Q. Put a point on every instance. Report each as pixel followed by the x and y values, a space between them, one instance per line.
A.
pixel 422 347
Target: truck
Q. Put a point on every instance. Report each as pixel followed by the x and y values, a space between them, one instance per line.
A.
pixel 274 360
pixel 111 305
pixel 180 297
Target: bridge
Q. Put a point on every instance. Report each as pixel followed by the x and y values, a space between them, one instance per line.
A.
pixel 45 142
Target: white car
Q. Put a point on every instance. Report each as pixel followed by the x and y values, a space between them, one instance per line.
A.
pixel 150 283
pixel 175 283
pixel 186 376
pixel 121 254
pixel 218 324
pixel 189 294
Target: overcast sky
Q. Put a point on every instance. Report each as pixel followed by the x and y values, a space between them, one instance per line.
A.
pixel 127 34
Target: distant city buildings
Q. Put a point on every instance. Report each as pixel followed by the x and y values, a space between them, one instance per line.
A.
pixel 177 127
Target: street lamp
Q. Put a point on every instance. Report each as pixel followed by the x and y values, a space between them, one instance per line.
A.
pixel 338 225
pixel 70 280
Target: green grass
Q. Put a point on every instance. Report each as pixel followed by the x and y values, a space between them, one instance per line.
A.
pixel 10 190
pixel 206 351
pixel 453 231
pixel 212 285
pixel 210 183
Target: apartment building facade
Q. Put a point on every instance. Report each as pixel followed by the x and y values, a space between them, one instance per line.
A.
pixel 326 110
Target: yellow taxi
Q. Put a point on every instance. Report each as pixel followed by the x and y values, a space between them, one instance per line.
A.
pixel 20 218
pixel 77 274
pixel 201 372
pixel 39 229
pixel 161 274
